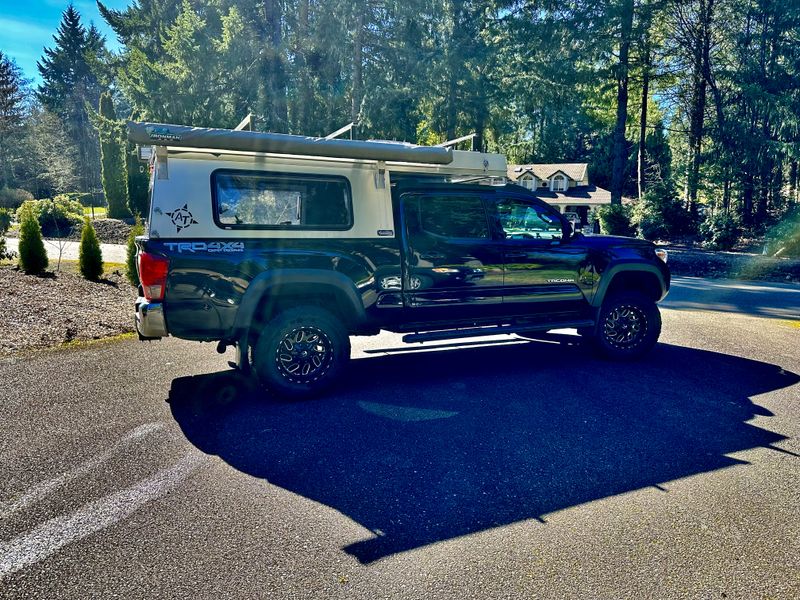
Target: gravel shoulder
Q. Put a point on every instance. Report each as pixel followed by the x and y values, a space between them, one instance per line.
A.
pixel 691 262
pixel 60 308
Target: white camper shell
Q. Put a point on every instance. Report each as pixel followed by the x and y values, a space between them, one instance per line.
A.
pixel 186 157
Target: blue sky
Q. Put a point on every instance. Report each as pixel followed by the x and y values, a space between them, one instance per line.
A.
pixel 27 27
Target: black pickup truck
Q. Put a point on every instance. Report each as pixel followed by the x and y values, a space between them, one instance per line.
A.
pixel 465 260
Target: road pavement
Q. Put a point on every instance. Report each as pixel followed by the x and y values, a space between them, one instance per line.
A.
pixel 508 469
pixel 69 250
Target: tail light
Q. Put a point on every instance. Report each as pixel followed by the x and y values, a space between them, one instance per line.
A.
pixel 153 275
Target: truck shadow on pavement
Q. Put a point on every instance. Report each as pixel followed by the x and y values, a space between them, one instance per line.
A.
pixel 424 447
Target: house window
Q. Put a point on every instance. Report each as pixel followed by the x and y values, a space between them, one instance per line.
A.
pixel 528 182
pixel 559 183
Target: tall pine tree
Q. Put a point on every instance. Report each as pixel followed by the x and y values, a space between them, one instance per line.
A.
pixel 12 117
pixel 70 83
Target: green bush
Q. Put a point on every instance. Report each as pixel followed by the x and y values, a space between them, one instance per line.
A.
pixel 130 269
pixel 719 231
pixel 32 255
pixel 90 257
pixel 56 216
pixel 5 220
pixel 5 223
pixel 13 197
pixel 660 215
pixel 784 238
pixel 615 219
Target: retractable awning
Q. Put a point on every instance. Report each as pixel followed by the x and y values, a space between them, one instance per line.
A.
pixel 161 134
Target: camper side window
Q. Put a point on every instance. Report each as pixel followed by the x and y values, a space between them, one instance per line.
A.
pixel 258 200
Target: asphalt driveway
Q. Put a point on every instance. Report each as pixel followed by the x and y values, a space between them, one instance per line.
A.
pixel 506 469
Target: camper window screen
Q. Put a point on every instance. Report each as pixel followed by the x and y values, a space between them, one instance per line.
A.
pixel 272 200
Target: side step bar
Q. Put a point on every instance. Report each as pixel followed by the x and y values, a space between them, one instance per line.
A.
pixel 451 334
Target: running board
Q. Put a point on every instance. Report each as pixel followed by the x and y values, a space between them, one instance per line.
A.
pixel 452 334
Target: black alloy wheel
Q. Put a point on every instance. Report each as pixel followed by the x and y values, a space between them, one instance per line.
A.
pixel 304 354
pixel 301 352
pixel 628 327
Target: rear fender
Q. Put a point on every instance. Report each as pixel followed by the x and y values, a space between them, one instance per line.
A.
pixel 271 281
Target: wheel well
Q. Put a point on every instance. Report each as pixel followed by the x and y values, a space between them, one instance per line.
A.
pixel 327 297
pixel 636 281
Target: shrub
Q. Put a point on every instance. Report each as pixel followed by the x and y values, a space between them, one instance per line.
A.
pixel 56 216
pixel 5 220
pixel 32 255
pixel 13 197
pixel 660 215
pixel 130 270
pixel 720 231
pixel 5 223
pixel 615 219
pixel 90 257
pixel 784 238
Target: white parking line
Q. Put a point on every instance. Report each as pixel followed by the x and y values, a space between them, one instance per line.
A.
pixel 49 537
pixel 41 490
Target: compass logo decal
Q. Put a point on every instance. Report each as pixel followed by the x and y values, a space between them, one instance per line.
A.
pixel 182 218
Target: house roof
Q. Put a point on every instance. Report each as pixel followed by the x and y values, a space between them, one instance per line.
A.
pixel 575 171
pixel 583 194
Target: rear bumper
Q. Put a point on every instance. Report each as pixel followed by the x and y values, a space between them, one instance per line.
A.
pixel 150 321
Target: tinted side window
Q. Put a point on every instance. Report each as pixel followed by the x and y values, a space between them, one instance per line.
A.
pixel 253 199
pixel 520 220
pixel 453 216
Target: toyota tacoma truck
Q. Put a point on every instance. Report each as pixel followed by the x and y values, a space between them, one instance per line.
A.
pixel 284 246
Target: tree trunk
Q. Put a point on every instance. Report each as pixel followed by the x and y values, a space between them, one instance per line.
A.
pixel 643 117
pixel 358 67
pixel 620 145
pixel 273 101
pixel 793 176
pixel 301 111
pixel 700 75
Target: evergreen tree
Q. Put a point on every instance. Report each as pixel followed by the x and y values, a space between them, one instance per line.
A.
pixel 90 257
pixel 13 89
pixel 130 260
pixel 71 82
pixel 32 254
pixel 113 158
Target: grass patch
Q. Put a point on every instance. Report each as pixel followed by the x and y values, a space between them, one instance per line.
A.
pixel 99 211
pixel 104 340
pixel 72 266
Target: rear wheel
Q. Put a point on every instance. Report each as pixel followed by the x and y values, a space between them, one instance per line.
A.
pixel 628 326
pixel 301 352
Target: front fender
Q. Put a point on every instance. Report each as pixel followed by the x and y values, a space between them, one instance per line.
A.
pixel 633 267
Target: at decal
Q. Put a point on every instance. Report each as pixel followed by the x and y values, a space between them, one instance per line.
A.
pixel 181 218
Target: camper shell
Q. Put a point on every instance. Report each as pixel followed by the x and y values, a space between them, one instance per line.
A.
pixel 283 246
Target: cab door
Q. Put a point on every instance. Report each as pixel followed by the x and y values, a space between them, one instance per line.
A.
pixel 543 269
pixel 453 268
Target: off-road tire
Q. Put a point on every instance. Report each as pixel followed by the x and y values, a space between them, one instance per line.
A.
pixel 628 326
pixel 301 352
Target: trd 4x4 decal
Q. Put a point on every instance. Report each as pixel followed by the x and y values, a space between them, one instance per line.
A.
pixel 226 247
pixel 182 218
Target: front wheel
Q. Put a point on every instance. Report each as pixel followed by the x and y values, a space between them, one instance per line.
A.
pixel 301 352
pixel 628 326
